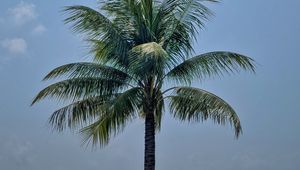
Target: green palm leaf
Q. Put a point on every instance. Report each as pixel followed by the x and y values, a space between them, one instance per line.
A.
pixel 135 15
pixel 96 26
pixel 90 22
pixel 210 64
pixel 125 14
pixel 80 113
pixel 86 69
pixel 182 25
pixel 114 117
pixel 193 104
pixel 80 88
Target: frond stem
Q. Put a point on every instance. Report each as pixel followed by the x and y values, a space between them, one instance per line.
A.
pixel 169 89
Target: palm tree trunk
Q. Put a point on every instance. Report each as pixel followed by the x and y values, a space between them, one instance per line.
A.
pixel 149 159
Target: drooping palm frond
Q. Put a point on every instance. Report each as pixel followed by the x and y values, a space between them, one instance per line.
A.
pixel 81 88
pixel 80 113
pixel 87 69
pixel 193 104
pixel 210 64
pixel 114 117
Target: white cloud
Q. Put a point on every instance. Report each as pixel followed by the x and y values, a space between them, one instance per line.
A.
pixel 23 13
pixel 15 45
pixel 39 29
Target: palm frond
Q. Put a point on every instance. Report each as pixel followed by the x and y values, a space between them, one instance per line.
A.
pixel 114 118
pixel 193 104
pixel 122 13
pixel 210 64
pixel 90 22
pixel 191 14
pixel 182 25
pixel 80 113
pixel 86 69
pixel 165 9
pixel 97 26
pixel 80 88
pixel 128 10
pixel 109 52
pixel 133 14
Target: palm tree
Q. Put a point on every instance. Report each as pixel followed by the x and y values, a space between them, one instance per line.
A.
pixel 138 47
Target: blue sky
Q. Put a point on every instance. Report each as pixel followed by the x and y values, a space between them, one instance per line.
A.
pixel 34 40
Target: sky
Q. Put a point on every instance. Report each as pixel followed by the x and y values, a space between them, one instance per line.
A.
pixel 34 40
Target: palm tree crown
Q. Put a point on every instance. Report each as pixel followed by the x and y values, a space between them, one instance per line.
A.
pixel 138 46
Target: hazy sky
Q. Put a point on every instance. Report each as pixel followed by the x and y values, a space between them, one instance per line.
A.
pixel 34 40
